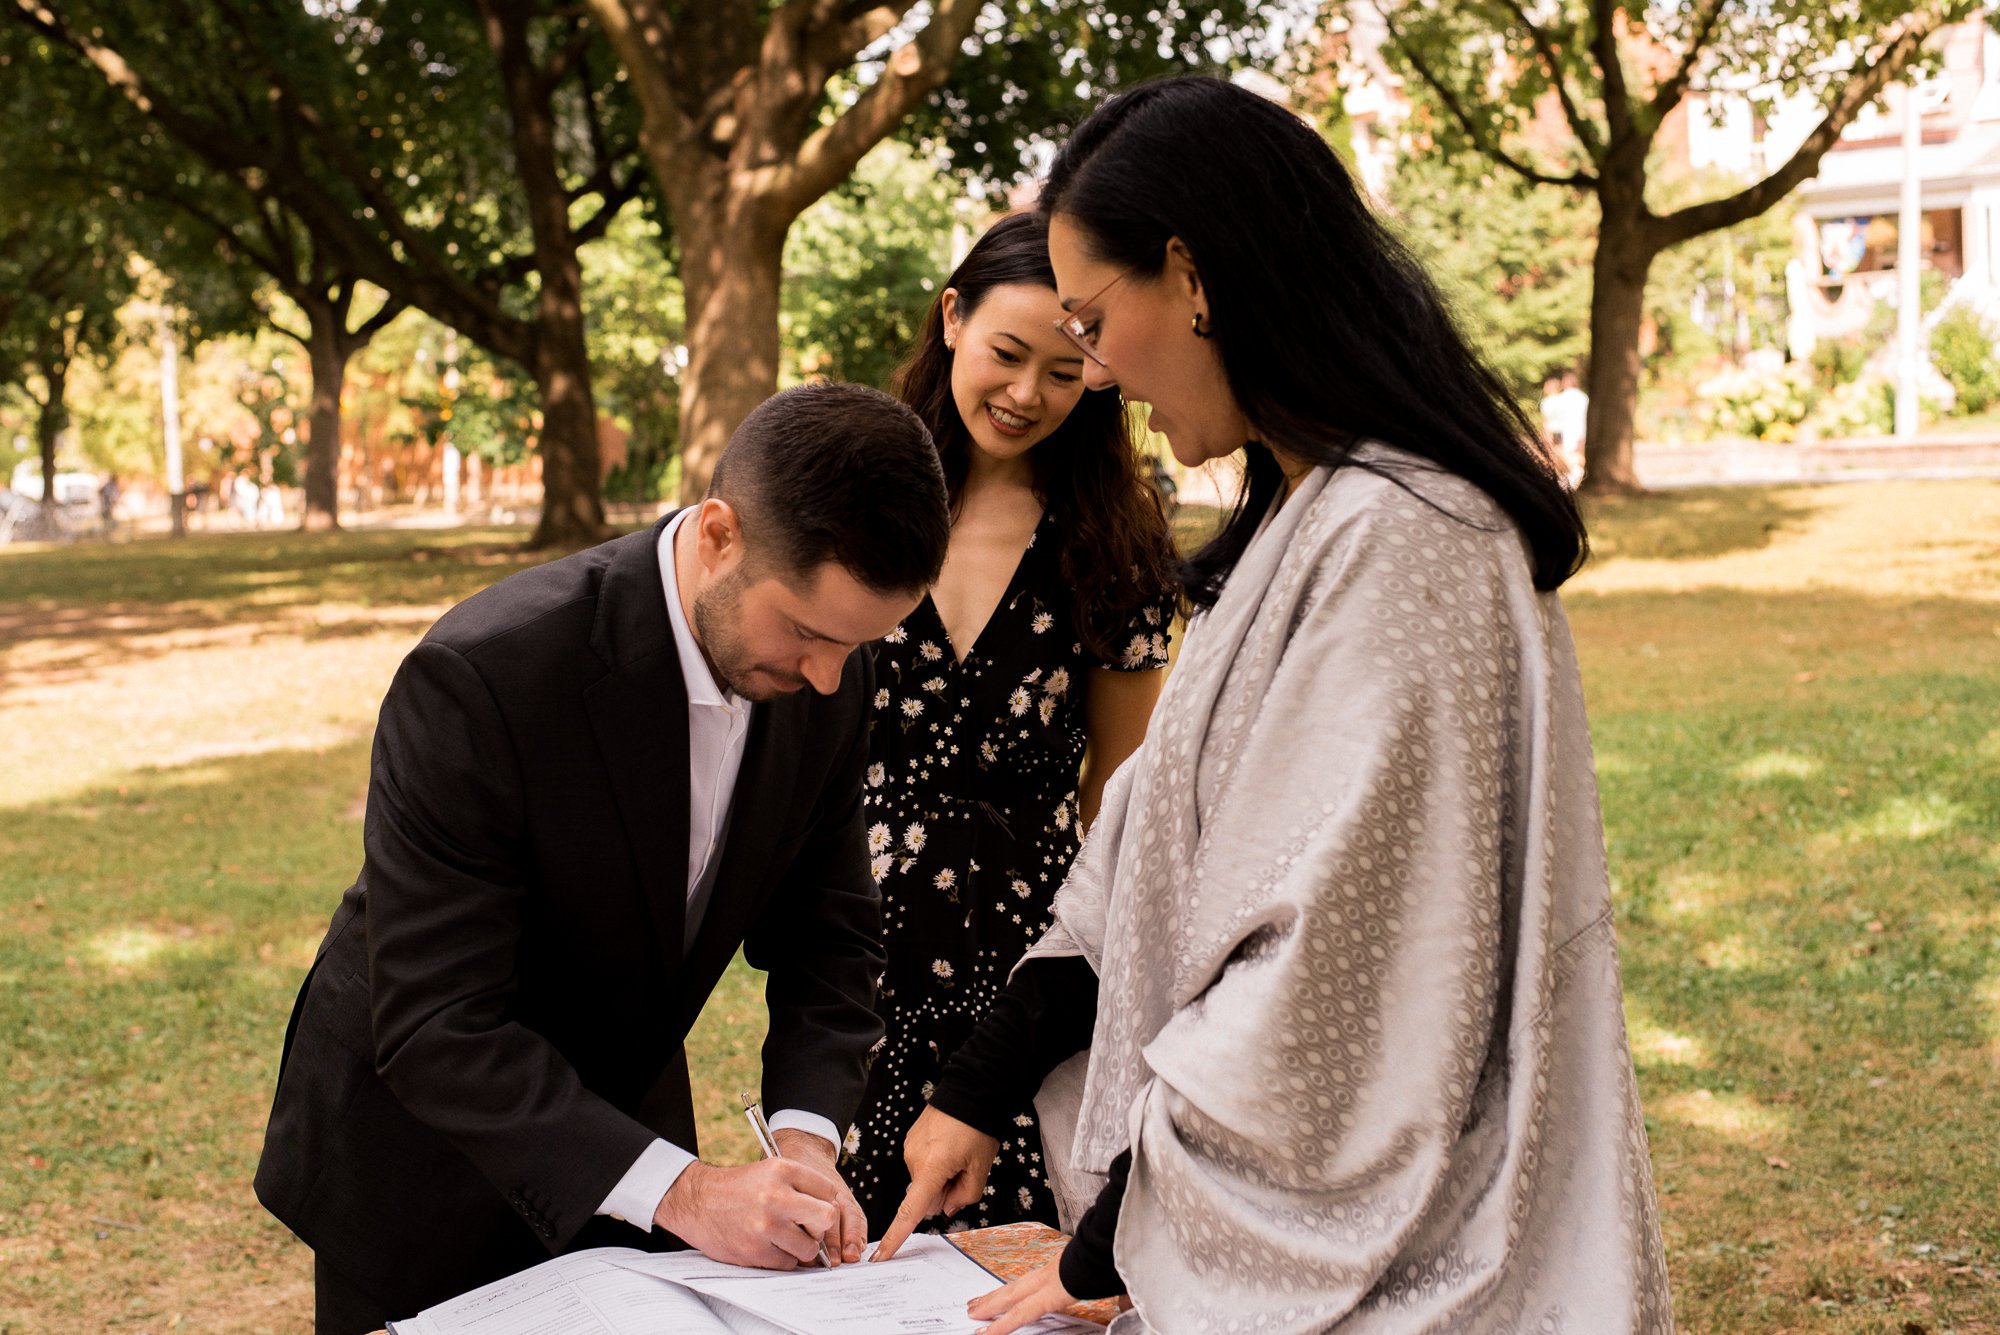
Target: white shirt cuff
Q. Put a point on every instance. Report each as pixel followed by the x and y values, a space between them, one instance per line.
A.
pixel 794 1120
pixel 646 1183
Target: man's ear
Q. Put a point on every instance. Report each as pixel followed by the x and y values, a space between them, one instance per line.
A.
pixel 718 536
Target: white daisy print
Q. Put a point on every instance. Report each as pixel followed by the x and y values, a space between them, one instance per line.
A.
pixel 929 652
pixel 1022 888
pixel 988 752
pixel 1058 682
pixel 1048 708
pixel 946 879
pixel 878 837
pixel 942 968
pixel 1152 616
pixel 913 838
pixel 882 698
pixel 877 775
pixel 1135 652
pixel 912 707
pixel 1018 702
pixel 1042 622
pixel 852 1144
pixel 1062 816
pixel 935 685
pixel 896 636
pixel 879 868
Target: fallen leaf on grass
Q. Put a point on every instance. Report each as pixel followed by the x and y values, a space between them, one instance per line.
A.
pixel 1804 677
pixel 1776 1162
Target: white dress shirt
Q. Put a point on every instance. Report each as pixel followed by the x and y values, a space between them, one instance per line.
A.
pixel 718 726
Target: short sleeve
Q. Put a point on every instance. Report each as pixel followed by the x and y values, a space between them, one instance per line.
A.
pixel 1141 645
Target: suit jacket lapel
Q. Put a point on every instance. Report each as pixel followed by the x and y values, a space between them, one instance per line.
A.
pixel 638 712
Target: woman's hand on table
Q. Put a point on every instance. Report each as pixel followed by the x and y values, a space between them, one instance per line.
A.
pixel 1028 1299
pixel 948 1163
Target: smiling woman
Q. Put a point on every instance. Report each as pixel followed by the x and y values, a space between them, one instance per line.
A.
pixel 1010 694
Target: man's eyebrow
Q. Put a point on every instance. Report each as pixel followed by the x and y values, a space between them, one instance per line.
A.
pixel 816 634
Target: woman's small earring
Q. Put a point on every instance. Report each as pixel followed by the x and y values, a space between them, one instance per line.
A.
pixel 1199 332
pixel 949 344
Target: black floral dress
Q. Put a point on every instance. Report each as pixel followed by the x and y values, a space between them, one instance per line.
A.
pixel 971 795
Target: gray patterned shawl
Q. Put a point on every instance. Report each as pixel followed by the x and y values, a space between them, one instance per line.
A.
pixel 1360 1014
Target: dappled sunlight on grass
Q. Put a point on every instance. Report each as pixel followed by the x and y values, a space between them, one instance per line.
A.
pixel 1776 765
pixel 1736 1116
pixel 1789 538
pixel 1694 524
pixel 1689 893
pixel 1910 817
pixel 1736 952
pixel 1988 996
pixel 1655 1045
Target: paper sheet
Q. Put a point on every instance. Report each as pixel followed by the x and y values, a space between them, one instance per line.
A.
pixel 922 1292
pixel 620 1291
pixel 588 1293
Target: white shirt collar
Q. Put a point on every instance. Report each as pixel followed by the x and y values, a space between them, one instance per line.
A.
pixel 701 684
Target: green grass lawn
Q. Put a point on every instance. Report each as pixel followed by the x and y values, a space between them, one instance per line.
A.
pixel 1796 701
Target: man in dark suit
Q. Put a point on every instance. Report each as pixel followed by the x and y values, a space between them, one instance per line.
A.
pixel 591 783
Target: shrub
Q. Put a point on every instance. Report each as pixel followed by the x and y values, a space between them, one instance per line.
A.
pixel 1768 405
pixel 1964 354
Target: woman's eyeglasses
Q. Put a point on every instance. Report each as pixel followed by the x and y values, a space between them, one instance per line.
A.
pixel 1072 326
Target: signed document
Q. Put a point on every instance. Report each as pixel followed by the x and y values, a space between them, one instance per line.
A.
pixel 621 1291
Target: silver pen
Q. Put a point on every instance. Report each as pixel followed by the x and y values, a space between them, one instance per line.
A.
pixel 768 1143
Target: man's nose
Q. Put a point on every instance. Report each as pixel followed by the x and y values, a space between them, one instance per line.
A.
pixel 1097 377
pixel 822 668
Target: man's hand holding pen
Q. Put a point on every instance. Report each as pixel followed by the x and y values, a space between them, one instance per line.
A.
pixel 775 1214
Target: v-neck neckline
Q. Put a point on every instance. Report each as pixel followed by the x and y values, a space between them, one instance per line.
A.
pixel 957 658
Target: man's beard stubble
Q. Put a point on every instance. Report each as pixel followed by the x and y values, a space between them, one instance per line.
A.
pixel 718 622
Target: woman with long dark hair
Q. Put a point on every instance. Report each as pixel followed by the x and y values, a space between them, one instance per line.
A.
pixel 1011 692
pixel 1328 1033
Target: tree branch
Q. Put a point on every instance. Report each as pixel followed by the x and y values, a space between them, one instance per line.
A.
pixel 1611 71
pixel 1871 73
pixel 615 197
pixel 1579 124
pixel 1490 148
pixel 912 72
pixel 642 35
pixel 566 60
pixel 833 44
pixel 1707 13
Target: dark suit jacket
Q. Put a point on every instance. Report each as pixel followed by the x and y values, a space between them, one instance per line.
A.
pixel 491 1032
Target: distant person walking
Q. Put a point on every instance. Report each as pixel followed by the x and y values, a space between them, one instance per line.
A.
pixel 107 501
pixel 1565 413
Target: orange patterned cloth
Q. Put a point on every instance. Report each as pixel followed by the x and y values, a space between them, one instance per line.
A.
pixel 1012 1250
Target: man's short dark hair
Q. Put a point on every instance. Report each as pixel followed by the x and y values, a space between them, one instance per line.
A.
pixel 831 472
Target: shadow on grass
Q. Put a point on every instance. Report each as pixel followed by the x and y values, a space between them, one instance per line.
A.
pixel 243 574
pixel 1691 525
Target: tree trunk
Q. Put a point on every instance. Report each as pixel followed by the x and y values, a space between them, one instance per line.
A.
pixel 49 423
pixel 327 349
pixel 1617 308
pixel 572 491
pixel 731 269
pixel 572 494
